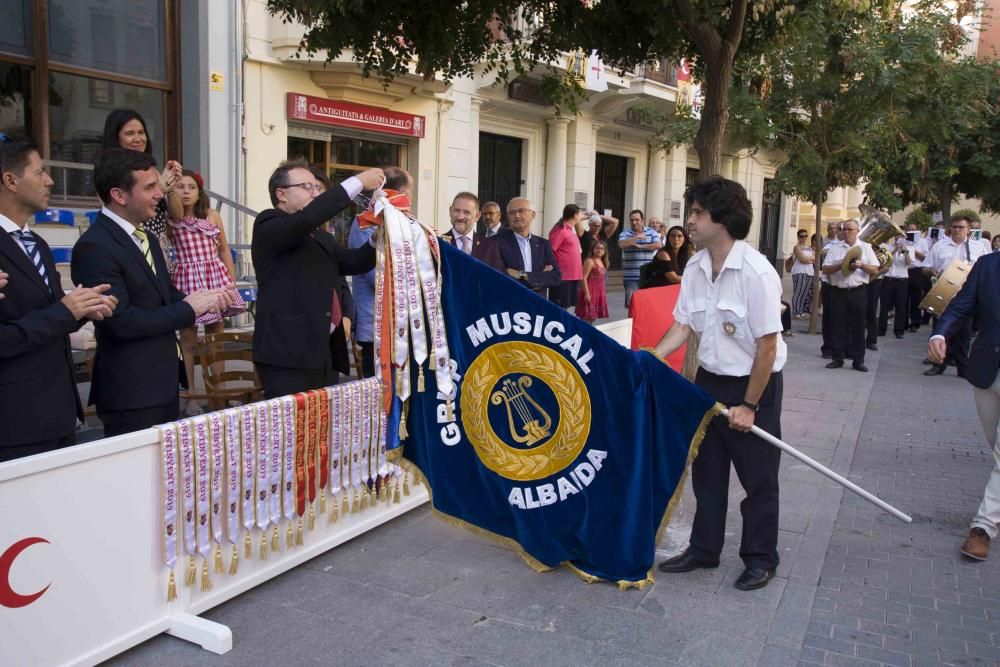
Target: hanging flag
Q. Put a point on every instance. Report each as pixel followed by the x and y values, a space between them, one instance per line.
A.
pixel 593 77
pixel 552 436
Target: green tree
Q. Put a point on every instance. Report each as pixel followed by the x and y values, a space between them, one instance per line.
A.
pixel 448 39
pixel 829 87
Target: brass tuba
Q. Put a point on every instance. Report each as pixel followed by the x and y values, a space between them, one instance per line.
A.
pixel 875 228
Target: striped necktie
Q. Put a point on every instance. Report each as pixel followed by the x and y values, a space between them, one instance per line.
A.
pixel 30 246
pixel 144 245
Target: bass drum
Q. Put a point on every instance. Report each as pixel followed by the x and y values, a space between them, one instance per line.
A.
pixel 946 287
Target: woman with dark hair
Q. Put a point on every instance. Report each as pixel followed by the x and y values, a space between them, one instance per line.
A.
pixel 564 237
pixel 203 261
pixel 125 128
pixel 668 264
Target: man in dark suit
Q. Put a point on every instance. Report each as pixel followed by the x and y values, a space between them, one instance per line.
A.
pixel 138 364
pixel 525 257
pixel 39 404
pixel 464 213
pixel 299 268
pixel 979 298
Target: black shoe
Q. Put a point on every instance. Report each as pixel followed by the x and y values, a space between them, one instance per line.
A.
pixel 835 364
pixel 899 336
pixel 872 346
pixel 934 370
pixel 928 362
pixel 685 562
pixel 827 355
pixel 753 578
pixel 914 329
pixel 861 368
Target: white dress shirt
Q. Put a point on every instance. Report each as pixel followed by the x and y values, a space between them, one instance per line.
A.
pixel 462 241
pixel 9 227
pixel 921 246
pixel 732 312
pixel 835 254
pixel 126 226
pixel 899 267
pixel 945 250
pixel 524 243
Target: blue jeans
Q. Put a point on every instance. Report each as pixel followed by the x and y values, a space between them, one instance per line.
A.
pixel 630 287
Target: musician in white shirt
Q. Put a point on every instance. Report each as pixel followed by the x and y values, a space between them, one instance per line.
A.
pixel 895 285
pixel 957 246
pixel 731 296
pixel 918 283
pixel 849 296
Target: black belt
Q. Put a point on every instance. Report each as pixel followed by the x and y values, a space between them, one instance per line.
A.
pixel 851 289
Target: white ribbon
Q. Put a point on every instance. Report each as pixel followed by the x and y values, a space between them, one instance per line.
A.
pixel 356 419
pixel 188 471
pixel 203 487
pixel 430 280
pixel 401 353
pixel 366 431
pixel 336 416
pixel 168 461
pixel 217 440
pixel 231 418
pixel 247 441
pixel 263 467
pixel 274 409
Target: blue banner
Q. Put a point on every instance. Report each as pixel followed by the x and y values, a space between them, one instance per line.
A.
pixel 560 439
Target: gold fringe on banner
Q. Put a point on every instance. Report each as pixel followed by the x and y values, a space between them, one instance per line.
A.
pixel 263 545
pixel 395 492
pixel 220 567
pixel 275 540
pixel 171 587
pixel 192 572
pixel 322 503
pixel 248 547
pixel 206 583
pixel 298 537
pixel 290 536
pixel 234 562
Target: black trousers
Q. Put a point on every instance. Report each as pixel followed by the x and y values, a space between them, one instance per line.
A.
pixel 367 358
pixel 826 325
pixel 118 422
pixel 958 348
pixel 32 448
pixel 918 285
pixel 756 463
pixel 848 311
pixel 894 294
pixel 281 381
pixel 874 291
pixel 786 316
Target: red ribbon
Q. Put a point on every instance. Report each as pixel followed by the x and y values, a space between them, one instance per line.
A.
pixel 312 405
pixel 300 454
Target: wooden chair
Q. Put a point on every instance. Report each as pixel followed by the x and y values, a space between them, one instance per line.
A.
pixel 227 370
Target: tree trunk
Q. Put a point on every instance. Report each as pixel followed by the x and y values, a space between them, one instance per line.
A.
pixel 817 265
pixel 945 197
pixel 715 117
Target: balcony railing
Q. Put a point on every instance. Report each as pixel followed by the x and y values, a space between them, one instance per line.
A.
pixel 662 71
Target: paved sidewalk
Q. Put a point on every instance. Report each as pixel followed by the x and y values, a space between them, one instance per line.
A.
pixel 854 583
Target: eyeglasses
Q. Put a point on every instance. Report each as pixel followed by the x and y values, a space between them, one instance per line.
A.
pixel 308 187
pixel 519 211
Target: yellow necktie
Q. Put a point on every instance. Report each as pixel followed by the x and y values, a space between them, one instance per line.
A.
pixel 147 253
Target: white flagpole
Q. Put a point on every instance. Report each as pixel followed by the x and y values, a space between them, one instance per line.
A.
pixel 816 465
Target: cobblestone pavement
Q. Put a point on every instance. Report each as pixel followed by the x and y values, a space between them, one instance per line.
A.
pixel 855 586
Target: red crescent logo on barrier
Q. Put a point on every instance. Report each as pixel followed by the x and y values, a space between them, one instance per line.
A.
pixel 8 598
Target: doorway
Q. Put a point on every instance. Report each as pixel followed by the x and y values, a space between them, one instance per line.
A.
pixel 610 175
pixel 499 171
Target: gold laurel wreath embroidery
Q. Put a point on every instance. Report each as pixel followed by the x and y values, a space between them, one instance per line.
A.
pixel 573 419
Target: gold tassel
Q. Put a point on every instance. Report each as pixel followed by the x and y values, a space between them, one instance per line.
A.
pixel 234 562
pixel 374 495
pixel 406 483
pixel 263 545
pixel 322 503
pixel 191 573
pixel 206 583
pixel 333 511
pixel 220 567
pixel 347 504
pixel 275 540
pixel 449 411
pixel 356 504
pixel 420 379
pixel 298 538
pixel 171 587
pixel 395 493
pixel 364 499
pixel 312 517
pixel 290 536
pixel 399 378
pixel 248 547
pixel 403 433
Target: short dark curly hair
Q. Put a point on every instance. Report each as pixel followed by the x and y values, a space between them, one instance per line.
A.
pixel 726 202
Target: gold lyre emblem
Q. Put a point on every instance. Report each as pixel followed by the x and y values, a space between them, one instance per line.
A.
pixel 535 423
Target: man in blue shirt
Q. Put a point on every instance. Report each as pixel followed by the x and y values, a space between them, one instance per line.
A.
pixel 638 244
pixel 363 285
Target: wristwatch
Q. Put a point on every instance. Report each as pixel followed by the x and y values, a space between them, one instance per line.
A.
pixel 752 406
pixel 521 277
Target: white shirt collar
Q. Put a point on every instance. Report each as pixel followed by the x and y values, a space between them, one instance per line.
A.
pixel 734 260
pixel 127 226
pixel 522 239
pixel 9 225
pixel 455 234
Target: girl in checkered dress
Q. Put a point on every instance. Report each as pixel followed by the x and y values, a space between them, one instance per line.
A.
pixel 203 260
